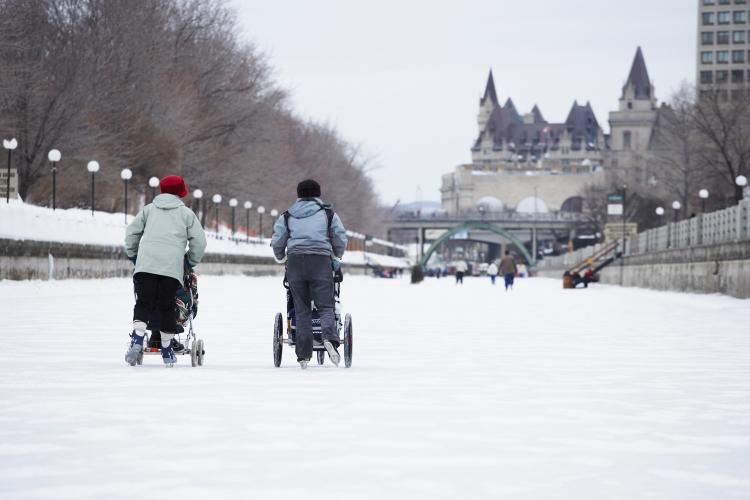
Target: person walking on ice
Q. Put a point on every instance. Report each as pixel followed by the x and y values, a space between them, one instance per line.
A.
pixel 155 242
pixel 492 272
pixel 508 269
pixel 461 269
pixel 311 239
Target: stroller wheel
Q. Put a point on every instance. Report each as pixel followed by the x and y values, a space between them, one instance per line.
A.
pixel 194 353
pixel 321 357
pixel 348 341
pixel 278 341
pixel 200 352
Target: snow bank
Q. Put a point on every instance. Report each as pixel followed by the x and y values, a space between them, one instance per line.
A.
pixel 21 221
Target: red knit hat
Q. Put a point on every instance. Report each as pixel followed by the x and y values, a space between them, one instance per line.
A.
pixel 174 184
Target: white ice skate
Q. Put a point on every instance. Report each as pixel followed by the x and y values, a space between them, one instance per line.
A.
pixel 332 352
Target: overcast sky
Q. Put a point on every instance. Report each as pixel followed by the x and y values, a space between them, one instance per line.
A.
pixel 403 78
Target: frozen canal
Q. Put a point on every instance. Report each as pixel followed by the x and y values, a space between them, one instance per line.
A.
pixel 455 392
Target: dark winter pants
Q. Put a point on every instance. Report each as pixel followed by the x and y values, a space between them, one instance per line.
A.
pixel 509 280
pixel 311 279
pixel 155 293
pixel 492 278
pixel 459 277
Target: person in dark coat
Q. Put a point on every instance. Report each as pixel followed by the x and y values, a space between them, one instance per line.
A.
pixel 508 269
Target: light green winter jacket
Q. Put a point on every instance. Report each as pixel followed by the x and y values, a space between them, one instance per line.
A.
pixel 159 235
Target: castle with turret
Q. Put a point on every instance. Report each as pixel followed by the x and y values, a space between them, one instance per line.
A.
pixel 521 157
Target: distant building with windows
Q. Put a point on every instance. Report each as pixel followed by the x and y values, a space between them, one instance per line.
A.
pixel 723 44
pixel 522 160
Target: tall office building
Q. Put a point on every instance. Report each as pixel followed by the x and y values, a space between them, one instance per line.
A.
pixel 723 44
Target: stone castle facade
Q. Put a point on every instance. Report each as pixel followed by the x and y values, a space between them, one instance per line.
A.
pixel 524 163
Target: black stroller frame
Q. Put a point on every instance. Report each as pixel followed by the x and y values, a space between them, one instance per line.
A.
pixel 192 344
pixel 344 329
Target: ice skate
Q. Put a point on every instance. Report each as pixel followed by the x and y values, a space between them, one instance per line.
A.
pixel 332 352
pixel 303 363
pixel 167 355
pixel 135 349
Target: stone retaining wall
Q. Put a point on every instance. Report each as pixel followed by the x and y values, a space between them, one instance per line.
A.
pixel 723 268
pixel 26 260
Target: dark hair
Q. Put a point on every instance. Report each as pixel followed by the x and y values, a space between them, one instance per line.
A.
pixel 507 252
pixel 308 189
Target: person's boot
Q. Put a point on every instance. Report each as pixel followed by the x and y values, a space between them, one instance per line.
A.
pixel 167 353
pixel 332 352
pixel 136 343
pixel 303 363
pixel 176 346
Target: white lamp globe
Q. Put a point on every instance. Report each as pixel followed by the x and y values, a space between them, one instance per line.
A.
pixel 10 144
pixel 248 205
pixel 261 209
pixel 153 182
pixel 703 194
pixel 274 213
pixel 54 155
pixel 741 180
pixel 233 202
pixel 93 166
pixel 676 205
pixel 198 194
pixel 126 174
pixel 216 198
pixel 659 211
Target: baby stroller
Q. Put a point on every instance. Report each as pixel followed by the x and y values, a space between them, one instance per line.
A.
pixel 291 326
pixel 186 309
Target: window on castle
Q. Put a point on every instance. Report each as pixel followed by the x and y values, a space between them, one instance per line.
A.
pixel 627 139
pixel 725 17
pixel 740 16
pixel 707 38
pixel 738 37
pixel 709 2
pixel 725 2
pixel 722 76
pixel 722 56
pixel 738 76
pixel 709 18
pixel 707 77
pixel 738 56
pixel 722 37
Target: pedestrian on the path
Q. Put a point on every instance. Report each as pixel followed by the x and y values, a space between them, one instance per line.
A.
pixel 155 242
pixel 508 269
pixel 492 271
pixel 311 239
pixel 461 268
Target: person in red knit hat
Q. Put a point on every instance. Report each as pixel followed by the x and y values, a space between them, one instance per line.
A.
pixel 155 242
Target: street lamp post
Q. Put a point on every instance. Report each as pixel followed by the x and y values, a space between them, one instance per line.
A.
pixel 703 194
pixel 197 195
pixel 10 146
pixel 740 181
pixel 217 199
pixel 676 205
pixel 126 175
pixel 261 211
pixel 54 156
pixel 153 182
pixel 93 167
pixel 624 232
pixel 248 205
pixel 233 204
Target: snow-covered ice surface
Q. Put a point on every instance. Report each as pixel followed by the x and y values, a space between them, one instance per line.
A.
pixel 455 392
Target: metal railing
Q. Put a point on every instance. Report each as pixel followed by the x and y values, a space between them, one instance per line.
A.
pixel 723 226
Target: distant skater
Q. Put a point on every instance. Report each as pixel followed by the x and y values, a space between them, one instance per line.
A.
pixel 461 269
pixel 492 272
pixel 508 268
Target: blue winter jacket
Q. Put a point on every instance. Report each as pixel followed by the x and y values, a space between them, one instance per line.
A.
pixel 308 231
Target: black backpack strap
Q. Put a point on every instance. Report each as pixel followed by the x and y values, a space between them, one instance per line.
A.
pixel 286 223
pixel 329 217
